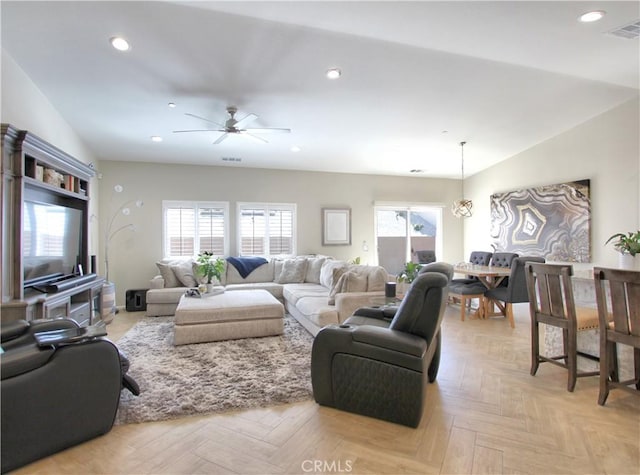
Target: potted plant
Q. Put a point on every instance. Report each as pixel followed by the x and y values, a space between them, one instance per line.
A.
pixel 209 267
pixel 628 245
pixel 407 276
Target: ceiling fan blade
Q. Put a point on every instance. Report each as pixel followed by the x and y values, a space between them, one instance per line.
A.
pixel 202 118
pixel 270 130
pixel 245 120
pixel 221 138
pixel 255 138
pixel 197 130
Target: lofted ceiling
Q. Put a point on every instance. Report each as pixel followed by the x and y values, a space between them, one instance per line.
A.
pixel 417 78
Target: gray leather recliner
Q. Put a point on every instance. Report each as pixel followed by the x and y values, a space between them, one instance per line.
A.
pixel 56 396
pixel 378 362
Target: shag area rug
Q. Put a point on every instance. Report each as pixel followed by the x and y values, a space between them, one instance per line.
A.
pixel 213 377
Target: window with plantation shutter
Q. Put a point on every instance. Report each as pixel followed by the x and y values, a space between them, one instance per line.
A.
pixel 192 227
pixel 266 229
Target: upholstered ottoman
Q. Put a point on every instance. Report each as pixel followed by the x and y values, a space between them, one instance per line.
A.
pixel 227 316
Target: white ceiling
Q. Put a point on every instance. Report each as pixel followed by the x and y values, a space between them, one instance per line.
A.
pixel 502 76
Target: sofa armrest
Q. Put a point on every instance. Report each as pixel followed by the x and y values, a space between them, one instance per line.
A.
pixel 156 283
pixel 348 303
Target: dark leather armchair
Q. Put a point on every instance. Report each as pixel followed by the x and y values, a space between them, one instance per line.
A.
pixel 378 362
pixel 55 396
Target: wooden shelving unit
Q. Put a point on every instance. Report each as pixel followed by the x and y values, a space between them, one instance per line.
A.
pixel 31 165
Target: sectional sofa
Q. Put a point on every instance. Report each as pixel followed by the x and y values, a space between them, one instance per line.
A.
pixel 315 290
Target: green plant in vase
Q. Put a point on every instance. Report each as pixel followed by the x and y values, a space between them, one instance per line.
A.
pixel 626 243
pixel 209 267
pixel 409 273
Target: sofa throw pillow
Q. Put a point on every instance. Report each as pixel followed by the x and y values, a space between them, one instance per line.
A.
pixel 346 281
pixel 293 271
pixel 184 273
pixel 354 282
pixel 376 278
pixel 314 266
pixel 338 284
pixel 170 279
pixel 326 272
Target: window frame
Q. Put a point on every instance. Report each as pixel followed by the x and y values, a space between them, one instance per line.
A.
pixel 196 206
pixel 267 207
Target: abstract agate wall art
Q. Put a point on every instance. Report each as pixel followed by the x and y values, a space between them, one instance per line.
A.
pixel 552 221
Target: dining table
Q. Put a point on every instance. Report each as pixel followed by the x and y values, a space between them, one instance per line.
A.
pixel 490 276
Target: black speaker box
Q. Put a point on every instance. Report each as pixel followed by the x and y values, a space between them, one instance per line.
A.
pixel 136 300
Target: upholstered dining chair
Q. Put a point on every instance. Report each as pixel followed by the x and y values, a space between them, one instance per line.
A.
pixel 426 256
pixel 377 364
pixel 503 259
pixel 465 293
pixel 551 302
pixel 618 298
pixel 479 258
pixel 514 292
pixel 468 288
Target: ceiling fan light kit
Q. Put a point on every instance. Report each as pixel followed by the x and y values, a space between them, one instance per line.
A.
pixel 237 127
pixel 462 208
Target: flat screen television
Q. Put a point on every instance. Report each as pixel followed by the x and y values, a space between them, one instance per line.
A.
pixel 52 236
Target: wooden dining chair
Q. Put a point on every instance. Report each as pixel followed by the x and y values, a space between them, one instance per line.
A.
pixel 551 302
pixel 618 298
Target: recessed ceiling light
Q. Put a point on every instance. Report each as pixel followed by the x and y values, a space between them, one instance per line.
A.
pixel 334 73
pixel 295 148
pixel 120 43
pixel 156 138
pixel 172 105
pixel 592 16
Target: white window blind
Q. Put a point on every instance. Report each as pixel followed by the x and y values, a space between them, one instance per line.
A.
pixel 194 227
pixel 266 229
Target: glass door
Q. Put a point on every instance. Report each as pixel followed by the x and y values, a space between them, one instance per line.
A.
pixel 401 231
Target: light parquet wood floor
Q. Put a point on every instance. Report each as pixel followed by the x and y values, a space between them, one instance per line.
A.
pixel 484 415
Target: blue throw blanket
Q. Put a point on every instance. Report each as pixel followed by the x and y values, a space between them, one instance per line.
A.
pixel 246 265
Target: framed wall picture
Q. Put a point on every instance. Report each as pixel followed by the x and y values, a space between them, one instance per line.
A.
pixel 551 221
pixel 336 226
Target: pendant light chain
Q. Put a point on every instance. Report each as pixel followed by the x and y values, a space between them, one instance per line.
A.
pixel 462 144
pixel 462 208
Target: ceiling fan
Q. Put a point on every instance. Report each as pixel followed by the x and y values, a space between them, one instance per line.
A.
pixel 233 126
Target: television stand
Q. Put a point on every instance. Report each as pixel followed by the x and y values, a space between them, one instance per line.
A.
pixel 64 283
pixel 78 298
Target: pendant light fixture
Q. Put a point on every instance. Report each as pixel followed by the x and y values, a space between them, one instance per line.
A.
pixel 462 208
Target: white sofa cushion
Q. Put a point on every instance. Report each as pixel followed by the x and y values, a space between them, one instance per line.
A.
pixel 316 310
pixel 170 278
pixel 326 272
pixel 314 266
pixel 186 274
pixel 293 271
pixel 294 292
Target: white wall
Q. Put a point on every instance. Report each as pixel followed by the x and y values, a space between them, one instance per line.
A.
pixel 25 107
pixel 604 149
pixel 133 255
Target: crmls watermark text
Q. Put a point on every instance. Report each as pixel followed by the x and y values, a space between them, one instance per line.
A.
pixel 327 466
